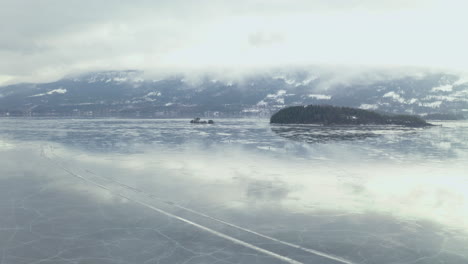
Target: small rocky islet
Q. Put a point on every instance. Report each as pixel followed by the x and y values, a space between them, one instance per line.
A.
pixel 197 120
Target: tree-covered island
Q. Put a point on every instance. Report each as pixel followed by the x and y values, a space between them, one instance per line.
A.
pixel 334 115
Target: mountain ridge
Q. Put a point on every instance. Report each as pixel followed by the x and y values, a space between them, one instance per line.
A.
pixel 131 94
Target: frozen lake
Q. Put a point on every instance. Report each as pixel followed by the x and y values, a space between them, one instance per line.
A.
pixel 238 191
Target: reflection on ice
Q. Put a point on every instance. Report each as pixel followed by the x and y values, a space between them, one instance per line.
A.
pixel 240 179
pixel 396 198
pixel 321 134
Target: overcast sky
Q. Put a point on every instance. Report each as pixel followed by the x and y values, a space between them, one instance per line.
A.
pixel 42 40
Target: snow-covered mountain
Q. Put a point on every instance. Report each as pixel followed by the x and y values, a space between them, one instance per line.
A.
pixel 130 93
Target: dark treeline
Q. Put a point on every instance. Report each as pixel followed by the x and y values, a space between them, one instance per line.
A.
pixel 333 115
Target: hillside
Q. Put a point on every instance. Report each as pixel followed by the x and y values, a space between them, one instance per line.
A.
pixel 133 94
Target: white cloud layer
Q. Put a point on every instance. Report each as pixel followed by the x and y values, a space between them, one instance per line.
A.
pixel 43 40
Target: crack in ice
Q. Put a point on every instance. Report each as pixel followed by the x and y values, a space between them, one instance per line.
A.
pixel 209 230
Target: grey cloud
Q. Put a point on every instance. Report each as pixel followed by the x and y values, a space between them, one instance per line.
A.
pixel 44 40
pixel 261 38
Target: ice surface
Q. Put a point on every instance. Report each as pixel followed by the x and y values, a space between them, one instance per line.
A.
pixel 240 191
